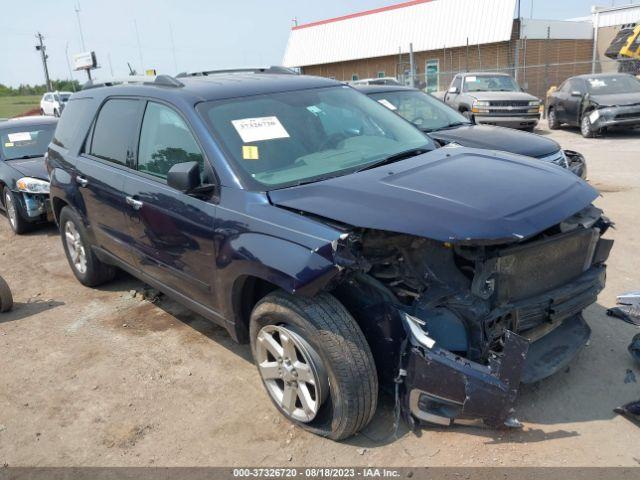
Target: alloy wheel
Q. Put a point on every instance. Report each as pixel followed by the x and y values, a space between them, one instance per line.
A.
pixel 11 210
pixel 75 247
pixel 586 126
pixel 292 372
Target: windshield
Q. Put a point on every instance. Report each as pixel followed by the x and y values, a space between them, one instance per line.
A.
pixel 490 83
pixel 421 109
pixel 25 142
pixel 613 84
pixel 284 139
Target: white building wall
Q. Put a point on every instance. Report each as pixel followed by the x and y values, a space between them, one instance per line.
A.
pixel 429 25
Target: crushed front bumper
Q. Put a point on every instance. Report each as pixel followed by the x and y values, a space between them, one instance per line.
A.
pixel 616 117
pixel 34 207
pixel 442 387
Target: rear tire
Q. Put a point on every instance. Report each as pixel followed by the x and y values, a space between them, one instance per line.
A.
pixel 552 119
pixel 586 129
pixel 345 386
pixel 42 112
pixel 12 208
pixel 84 263
pixel 6 299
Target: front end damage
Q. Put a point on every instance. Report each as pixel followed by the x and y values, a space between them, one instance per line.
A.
pixel 461 325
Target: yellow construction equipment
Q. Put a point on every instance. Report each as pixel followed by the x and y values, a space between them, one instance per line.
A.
pixel 625 47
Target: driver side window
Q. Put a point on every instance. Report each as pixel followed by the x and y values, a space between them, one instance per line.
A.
pixel 165 140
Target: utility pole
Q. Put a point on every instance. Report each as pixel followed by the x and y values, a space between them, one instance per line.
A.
pixel 42 49
pixel 135 25
pixel 173 48
pixel 77 9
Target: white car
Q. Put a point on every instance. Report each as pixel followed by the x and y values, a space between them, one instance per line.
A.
pixel 53 103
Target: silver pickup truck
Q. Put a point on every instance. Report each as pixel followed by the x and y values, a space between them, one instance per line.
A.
pixel 493 99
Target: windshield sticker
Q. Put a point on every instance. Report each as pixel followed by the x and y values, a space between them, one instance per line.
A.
pixel 250 152
pixel 470 79
pixel 315 110
pixel 8 144
pixel 597 83
pixel 19 137
pixel 387 104
pixel 260 128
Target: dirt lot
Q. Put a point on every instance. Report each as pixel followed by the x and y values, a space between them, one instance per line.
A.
pixel 97 377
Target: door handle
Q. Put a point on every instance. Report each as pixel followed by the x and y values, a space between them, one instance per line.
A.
pixel 135 204
pixel 80 180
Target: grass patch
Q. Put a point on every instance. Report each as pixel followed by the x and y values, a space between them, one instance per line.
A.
pixel 15 106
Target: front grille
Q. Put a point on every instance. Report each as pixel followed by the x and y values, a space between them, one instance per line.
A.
pixel 509 103
pixel 626 115
pixel 531 269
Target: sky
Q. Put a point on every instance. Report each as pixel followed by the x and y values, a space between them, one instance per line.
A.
pixel 207 34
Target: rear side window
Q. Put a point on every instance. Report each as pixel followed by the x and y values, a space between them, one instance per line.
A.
pixel 165 140
pixel 112 134
pixel 73 122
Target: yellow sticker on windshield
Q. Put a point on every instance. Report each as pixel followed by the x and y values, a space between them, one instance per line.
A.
pixel 250 152
pixel 8 144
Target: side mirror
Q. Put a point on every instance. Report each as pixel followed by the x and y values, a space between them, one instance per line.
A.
pixel 453 90
pixel 184 177
pixel 576 93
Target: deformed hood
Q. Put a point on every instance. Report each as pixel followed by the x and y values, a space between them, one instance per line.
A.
pixel 31 167
pixel 498 138
pixel 616 99
pixel 450 194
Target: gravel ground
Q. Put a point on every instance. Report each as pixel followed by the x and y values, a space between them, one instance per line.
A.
pixel 104 378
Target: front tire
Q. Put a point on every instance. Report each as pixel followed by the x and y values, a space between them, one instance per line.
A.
pixel 315 363
pixel 11 206
pixel 586 129
pixel 6 299
pixel 56 113
pixel 86 266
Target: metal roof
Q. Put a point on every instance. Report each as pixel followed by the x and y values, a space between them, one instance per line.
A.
pixel 428 24
pixel 620 15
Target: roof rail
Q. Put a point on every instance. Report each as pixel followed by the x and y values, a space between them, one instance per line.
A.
pixel 271 69
pixel 157 80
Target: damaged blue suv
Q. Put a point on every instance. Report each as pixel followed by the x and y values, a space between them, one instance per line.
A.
pixel 348 249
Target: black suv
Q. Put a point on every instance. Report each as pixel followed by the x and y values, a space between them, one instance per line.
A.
pixel 313 222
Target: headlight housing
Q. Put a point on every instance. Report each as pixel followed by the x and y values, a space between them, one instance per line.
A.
pixel 480 106
pixel 534 103
pixel 33 185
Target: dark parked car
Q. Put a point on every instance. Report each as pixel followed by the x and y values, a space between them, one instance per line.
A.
pixel 446 126
pixel 24 182
pixel 595 103
pixel 331 234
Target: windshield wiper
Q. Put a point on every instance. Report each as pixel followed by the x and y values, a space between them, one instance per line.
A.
pixel 455 124
pixel 395 158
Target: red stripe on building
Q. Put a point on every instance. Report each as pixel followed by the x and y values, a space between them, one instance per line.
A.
pixel 362 14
